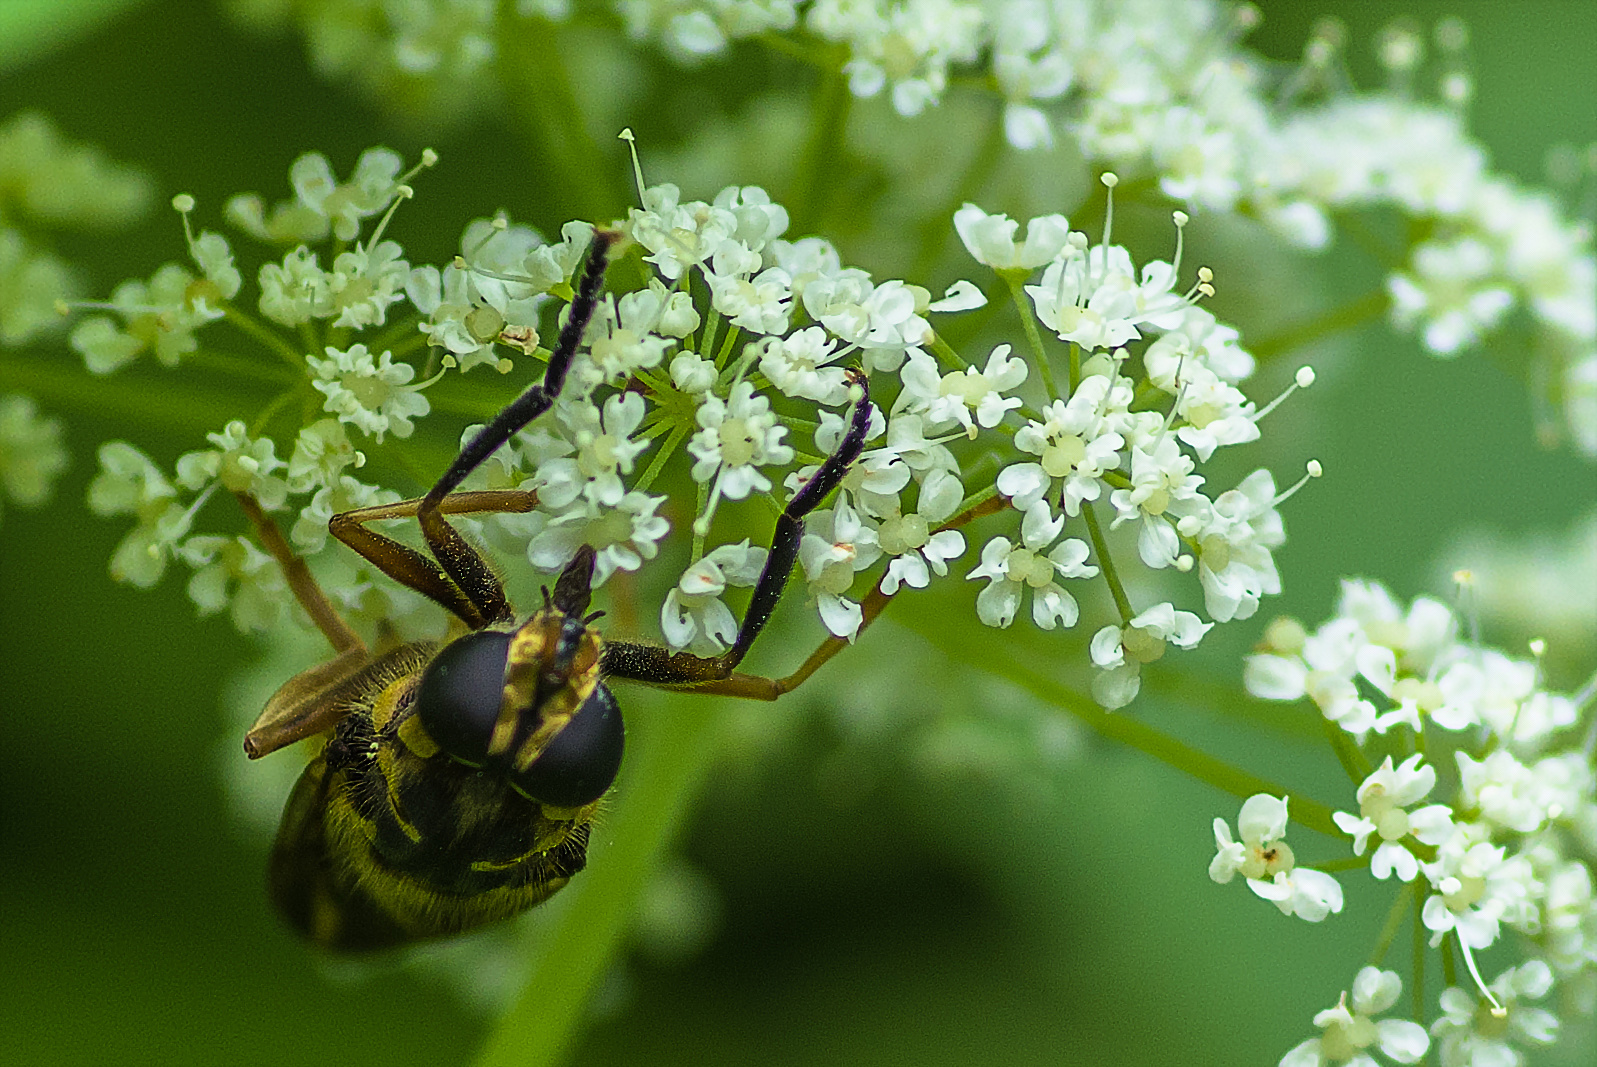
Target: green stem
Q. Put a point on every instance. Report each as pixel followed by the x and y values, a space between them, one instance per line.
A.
pixel 727 344
pixel 712 323
pixel 1366 308
pixel 698 510
pixel 578 174
pixel 1028 323
pixel 1353 761
pixel 246 368
pixel 657 464
pixel 938 226
pixel 1449 966
pixel 810 191
pixel 976 499
pixel 666 762
pixel 1100 548
pixel 69 388
pixel 1000 662
pixel 266 336
pixel 1394 922
pixel 945 352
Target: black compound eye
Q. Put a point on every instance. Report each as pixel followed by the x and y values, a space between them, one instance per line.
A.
pixel 460 692
pixel 578 766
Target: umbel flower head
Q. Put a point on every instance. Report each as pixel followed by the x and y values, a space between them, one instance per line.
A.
pixel 739 337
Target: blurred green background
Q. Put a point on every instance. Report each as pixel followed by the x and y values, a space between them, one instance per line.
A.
pixel 892 877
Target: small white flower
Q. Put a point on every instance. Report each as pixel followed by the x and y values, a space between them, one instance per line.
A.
pixel 372 395
pixel 31 455
pixel 604 452
pixel 953 397
pixel 1095 300
pixel 161 315
pixel 619 341
pixel 1470 1032
pixel 1262 850
pixel 1264 858
pixel 622 536
pixel 239 463
pixel 321 452
pixel 1456 290
pixel 129 483
pixel 692 374
pixel 369 190
pixel 1477 887
pixel 1350 1032
pixel 1161 482
pixel 309 532
pixel 1503 790
pixel 259 593
pixel 693 616
pixel 1383 798
pixel 737 437
pixel 1119 653
pixel 760 304
pixel 837 544
pixel 797 365
pixel 990 239
pixel 1235 537
pixel 295 290
pixel 918 552
pixel 1077 441
pixel 1011 569
pixel 364 283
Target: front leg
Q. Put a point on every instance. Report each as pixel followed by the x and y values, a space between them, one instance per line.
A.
pixel 658 666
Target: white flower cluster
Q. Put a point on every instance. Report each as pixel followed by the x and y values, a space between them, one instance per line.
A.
pixel 738 342
pixel 1158 89
pixel 436 56
pixel 48 183
pixel 1491 246
pixel 31 453
pixel 1091 445
pixel 1513 847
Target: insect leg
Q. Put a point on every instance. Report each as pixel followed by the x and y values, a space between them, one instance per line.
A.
pixel 414 570
pixel 460 562
pixel 649 663
pixel 758 687
pixel 300 581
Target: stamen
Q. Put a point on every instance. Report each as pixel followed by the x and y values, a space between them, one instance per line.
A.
pixel 461 263
pixel 193 509
pixel 1201 287
pixel 1498 1011
pixel 497 226
pixel 1301 380
pixel 1313 469
pixel 1110 179
pixel 183 204
pixel 637 168
pixel 1181 219
pixel 1464 581
pixel 429 158
pixel 401 192
pixel 701 525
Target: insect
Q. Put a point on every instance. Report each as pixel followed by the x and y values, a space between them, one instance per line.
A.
pixel 459 781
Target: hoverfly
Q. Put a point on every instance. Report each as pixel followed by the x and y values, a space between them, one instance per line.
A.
pixel 458 782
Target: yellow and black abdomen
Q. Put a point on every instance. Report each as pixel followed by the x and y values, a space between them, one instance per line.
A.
pixel 387 840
